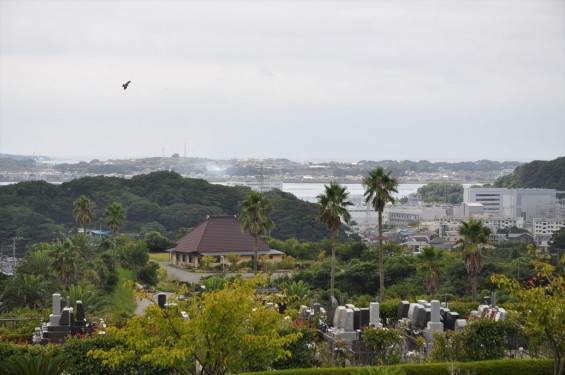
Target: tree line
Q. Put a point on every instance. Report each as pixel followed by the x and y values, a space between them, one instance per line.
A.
pixel 164 202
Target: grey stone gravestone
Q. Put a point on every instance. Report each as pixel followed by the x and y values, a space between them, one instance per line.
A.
pixel 374 314
pixel 338 318
pixel 332 306
pixel 434 324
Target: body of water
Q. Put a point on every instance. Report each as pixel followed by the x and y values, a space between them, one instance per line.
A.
pixel 309 191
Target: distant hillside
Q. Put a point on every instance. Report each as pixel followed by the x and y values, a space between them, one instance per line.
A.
pixel 162 201
pixel 537 174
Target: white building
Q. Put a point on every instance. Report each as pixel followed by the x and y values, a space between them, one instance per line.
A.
pixel 394 215
pixel 543 229
pixel 502 202
pixel 469 210
pixel 402 216
pixel 449 227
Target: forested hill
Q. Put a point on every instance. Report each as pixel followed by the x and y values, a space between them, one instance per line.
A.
pixel 537 174
pixel 161 201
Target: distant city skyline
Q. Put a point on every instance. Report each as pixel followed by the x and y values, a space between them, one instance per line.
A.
pixel 302 80
pixel 80 158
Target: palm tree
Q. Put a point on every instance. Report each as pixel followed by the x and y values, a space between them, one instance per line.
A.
pixel 93 301
pixel 65 261
pixel 299 288
pixel 474 237
pixel 38 263
pixel 34 365
pixel 26 290
pixel 254 218
pixel 379 187
pixel 84 212
pixel 115 215
pixel 333 208
pixel 430 264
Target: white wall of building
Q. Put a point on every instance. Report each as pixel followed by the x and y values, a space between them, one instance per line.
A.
pixel 526 203
pixel 543 229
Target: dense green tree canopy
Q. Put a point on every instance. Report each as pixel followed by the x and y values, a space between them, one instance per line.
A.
pixel 442 192
pixel 537 174
pixel 163 201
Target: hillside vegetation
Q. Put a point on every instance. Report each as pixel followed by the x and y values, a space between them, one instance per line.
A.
pixel 537 174
pixel 161 201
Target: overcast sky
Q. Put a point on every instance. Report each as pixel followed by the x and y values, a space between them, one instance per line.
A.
pixel 305 80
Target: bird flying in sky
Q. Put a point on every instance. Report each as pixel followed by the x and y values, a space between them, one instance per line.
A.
pixel 125 85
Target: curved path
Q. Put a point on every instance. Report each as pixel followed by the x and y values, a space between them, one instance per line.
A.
pixel 181 274
pixel 193 277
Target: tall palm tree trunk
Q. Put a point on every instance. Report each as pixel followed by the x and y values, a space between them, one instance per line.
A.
pixel 256 260
pixel 332 275
pixel 381 260
pixel 474 286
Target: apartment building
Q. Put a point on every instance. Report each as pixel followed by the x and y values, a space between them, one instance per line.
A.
pixel 543 228
pixel 503 202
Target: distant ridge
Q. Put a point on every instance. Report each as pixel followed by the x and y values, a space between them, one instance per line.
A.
pixel 23 157
pixel 537 174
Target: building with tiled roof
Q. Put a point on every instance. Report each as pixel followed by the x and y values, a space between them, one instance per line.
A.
pixel 219 236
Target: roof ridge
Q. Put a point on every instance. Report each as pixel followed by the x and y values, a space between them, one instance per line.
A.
pixel 205 225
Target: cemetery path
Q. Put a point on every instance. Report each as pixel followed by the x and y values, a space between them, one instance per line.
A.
pixel 143 303
pixel 182 274
pixel 194 277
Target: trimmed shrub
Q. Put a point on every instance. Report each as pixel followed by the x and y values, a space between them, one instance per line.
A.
pixel 496 367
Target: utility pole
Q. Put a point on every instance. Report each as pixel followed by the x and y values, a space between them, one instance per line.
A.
pixel 14 252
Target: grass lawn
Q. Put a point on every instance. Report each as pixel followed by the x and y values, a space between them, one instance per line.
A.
pixel 158 257
pixel 122 299
pixel 168 286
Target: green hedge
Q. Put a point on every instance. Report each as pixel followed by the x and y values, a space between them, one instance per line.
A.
pixel 498 367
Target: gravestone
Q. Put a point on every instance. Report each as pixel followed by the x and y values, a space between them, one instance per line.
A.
pixel 365 317
pixel 423 317
pixel 403 308
pixel 411 311
pixel 347 320
pixel 356 318
pixel 332 306
pixel 338 317
pixel 55 317
pixel 450 318
pixel 415 313
pixel 434 324
pixel 374 318
pixel 161 300
pixel 460 325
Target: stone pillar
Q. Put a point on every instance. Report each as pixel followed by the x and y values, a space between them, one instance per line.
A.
pixel 338 317
pixel 55 318
pixel 161 300
pixel 332 306
pixel 347 320
pixel 374 318
pixel 56 304
pixel 435 324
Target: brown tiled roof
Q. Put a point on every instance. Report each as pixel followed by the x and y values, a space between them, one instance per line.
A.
pixel 218 234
